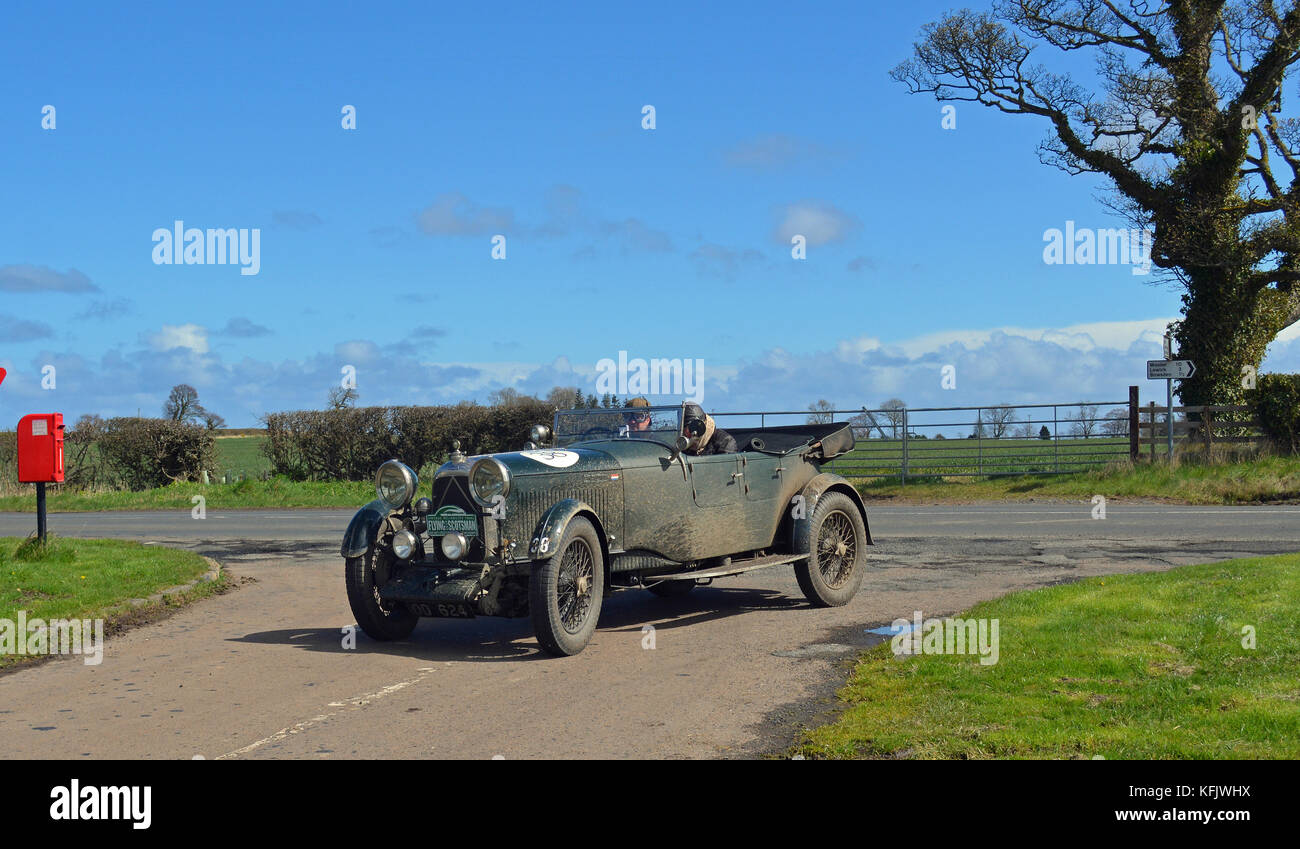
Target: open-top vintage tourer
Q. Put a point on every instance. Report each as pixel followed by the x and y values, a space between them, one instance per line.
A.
pixel 549 530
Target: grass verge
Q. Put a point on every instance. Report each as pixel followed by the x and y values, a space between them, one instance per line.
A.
pixel 1129 666
pixel 277 492
pixel 92 579
pixel 1266 480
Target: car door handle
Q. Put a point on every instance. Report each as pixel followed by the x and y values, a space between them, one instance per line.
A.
pixel 735 475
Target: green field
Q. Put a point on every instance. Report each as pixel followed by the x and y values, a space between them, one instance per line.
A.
pixel 1157 665
pixel 961 457
pixel 240 457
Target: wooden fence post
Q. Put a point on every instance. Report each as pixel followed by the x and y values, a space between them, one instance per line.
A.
pixel 1151 431
pixel 1207 422
pixel 1133 424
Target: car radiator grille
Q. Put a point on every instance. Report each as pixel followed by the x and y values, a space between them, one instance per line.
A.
pixel 524 509
pixel 454 489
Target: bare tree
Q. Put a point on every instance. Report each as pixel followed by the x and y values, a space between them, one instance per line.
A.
pixel 1182 114
pixel 865 422
pixel 563 397
pixel 1000 420
pixel 1084 421
pixel 892 410
pixel 820 412
pixel 182 404
pixel 507 396
pixel 212 421
pixel 1115 422
pixel 341 398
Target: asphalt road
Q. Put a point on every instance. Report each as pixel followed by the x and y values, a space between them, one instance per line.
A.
pixel 731 670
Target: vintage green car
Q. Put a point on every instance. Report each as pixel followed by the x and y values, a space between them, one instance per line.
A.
pixel 612 501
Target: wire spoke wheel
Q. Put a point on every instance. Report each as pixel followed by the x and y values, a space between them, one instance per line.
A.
pixel 837 550
pixel 574 587
pixel 834 536
pixel 566 591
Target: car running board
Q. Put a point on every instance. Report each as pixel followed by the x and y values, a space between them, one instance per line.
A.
pixel 734 569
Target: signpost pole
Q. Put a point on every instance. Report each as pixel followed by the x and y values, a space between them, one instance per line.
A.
pixel 1169 369
pixel 1169 417
pixel 40 512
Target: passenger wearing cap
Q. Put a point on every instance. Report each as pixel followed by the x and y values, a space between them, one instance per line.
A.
pixel 705 437
pixel 637 420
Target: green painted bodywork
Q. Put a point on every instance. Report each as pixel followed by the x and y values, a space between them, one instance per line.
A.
pixel 642 499
pixel 655 512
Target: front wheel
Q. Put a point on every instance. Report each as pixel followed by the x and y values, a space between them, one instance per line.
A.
pixel 378 622
pixel 565 593
pixel 836 544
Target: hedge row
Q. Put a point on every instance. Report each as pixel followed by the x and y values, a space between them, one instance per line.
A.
pixel 1277 404
pixel 350 443
pixel 125 453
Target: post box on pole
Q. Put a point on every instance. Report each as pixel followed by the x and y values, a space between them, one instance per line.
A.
pixel 40 457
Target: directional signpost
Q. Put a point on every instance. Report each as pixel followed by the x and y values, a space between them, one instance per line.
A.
pixel 1169 370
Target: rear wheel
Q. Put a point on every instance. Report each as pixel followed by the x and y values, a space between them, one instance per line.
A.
pixel 378 622
pixel 565 593
pixel 837 539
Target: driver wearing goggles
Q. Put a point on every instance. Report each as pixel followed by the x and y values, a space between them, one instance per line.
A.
pixel 637 420
pixel 705 437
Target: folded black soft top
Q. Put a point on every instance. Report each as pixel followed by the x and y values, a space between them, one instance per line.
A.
pixel 826 440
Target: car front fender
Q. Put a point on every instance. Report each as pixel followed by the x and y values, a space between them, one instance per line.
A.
pixel 814 490
pixel 555 522
pixel 363 530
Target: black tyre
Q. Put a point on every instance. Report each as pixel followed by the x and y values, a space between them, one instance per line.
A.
pixel 671 589
pixel 378 622
pixel 836 542
pixel 565 593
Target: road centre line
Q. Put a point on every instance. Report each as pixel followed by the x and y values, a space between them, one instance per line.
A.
pixel 346 706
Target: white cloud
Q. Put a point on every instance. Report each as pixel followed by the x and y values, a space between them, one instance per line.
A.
pixel 453 214
pixel 15 330
pixel 191 336
pixel 42 278
pixel 1079 337
pixel 1085 362
pixel 776 150
pixel 818 222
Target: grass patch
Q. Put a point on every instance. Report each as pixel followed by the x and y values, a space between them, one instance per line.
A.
pixel 1265 480
pixel 1129 666
pixel 87 579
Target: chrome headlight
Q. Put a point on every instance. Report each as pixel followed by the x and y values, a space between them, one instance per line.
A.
pixel 539 434
pixel 404 543
pixel 488 478
pixel 454 546
pixel 395 484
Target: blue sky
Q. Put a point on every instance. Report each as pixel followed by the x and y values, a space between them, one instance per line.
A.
pixel 924 244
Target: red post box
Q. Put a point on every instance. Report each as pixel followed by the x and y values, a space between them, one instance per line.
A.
pixel 40 448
